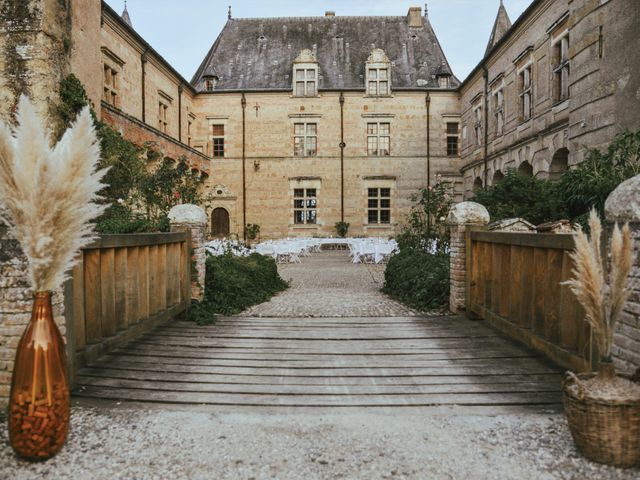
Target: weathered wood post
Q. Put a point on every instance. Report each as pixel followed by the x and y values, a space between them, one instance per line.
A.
pixel 462 216
pixel 192 219
pixel 623 205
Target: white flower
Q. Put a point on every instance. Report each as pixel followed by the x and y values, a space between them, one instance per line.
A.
pixel 120 201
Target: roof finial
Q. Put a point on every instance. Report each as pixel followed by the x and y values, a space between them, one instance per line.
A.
pixel 125 15
pixel 426 9
pixel 229 14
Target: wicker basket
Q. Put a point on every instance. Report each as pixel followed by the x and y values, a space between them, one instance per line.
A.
pixel 604 431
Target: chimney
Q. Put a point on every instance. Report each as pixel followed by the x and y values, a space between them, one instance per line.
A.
pixel 414 17
pixel 329 14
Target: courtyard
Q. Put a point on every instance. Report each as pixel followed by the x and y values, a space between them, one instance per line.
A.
pixel 289 390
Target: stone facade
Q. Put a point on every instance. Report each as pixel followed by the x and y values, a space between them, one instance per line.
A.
pixel 272 171
pixel 587 39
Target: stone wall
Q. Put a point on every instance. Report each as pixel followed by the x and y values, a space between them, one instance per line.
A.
pixel 34 52
pixel 462 217
pixel 626 349
pixel 15 306
pixel 623 205
pixel 140 133
pixel 192 219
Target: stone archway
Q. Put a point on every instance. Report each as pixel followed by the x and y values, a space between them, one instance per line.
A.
pixel 477 185
pixel 525 169
pixel 220 222
pixel 498 176
pixel 559 164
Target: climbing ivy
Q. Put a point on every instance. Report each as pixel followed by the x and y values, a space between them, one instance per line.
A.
pixel 140 186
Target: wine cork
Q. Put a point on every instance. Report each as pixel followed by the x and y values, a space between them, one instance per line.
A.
pixel 39 427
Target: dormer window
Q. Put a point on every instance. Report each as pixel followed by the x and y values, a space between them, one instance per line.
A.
pixel 378 79
pixel 306 82
pixel 210 83
pixel 444 81
pixel 305 75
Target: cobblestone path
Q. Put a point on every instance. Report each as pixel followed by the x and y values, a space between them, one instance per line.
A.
pixel 328 285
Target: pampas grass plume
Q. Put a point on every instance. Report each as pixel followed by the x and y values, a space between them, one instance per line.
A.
pixel 602 295
pixel 48 194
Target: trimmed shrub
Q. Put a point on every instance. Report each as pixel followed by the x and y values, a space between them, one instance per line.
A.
pixel 516 195
pixel 235 283
pixel 201 314
pixel 418 279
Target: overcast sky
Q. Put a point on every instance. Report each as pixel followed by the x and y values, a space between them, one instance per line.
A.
pixel 182 31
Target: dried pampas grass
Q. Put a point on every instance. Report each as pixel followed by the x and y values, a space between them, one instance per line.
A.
pixel 602 293
pixel 48 195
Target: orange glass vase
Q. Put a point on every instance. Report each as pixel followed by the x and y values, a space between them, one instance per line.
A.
pixel 39 399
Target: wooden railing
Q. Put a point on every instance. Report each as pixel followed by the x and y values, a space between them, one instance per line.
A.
pixel 514 283
pixel 124 286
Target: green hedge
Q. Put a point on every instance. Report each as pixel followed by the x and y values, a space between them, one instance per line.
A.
pixel 235 283
pixel 418 279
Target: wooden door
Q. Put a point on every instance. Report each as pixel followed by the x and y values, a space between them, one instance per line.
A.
pixel 220 222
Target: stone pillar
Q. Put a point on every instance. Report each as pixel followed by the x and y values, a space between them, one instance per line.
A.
pixel 462 216
pixel 192 219
pixel 623 205
pixel 16 300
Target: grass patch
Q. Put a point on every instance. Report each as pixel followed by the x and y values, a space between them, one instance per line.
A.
pixel 418 279
pixel 235 283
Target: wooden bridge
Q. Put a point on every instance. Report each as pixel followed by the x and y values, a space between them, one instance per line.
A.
pixel 127 288
pixel 325 362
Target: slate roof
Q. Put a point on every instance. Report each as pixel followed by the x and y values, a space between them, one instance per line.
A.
pixel 258 53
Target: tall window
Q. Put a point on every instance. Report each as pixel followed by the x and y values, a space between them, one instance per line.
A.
pixel 217 133
pixel 477 126
pixel 162 116
pixel 379 205
pixel 452 138
pixel 498 99
pixel 305 206
pixel 378 139
pixel 561 69
pixel 189 133
pixel 305 139
pixel 306 82
pixel 378 81
pixel 110 83
pixel 526 93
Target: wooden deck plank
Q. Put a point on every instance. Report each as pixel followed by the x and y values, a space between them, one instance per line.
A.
pixel 428 399
pixel 479 378
pixel 319 390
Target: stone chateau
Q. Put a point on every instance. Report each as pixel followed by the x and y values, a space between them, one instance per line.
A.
pixel 299 123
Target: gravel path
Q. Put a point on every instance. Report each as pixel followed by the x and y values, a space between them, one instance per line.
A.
pixel 127 443
pixel 327 284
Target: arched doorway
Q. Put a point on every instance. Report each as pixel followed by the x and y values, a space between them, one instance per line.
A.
pixel 559 164
pixel 498 176
pixel 525 169
pixel 219 222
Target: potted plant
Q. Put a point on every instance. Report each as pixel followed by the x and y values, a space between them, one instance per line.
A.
pixel 603 409
pixel 252 230
pixel 342 228
pixel 48 196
